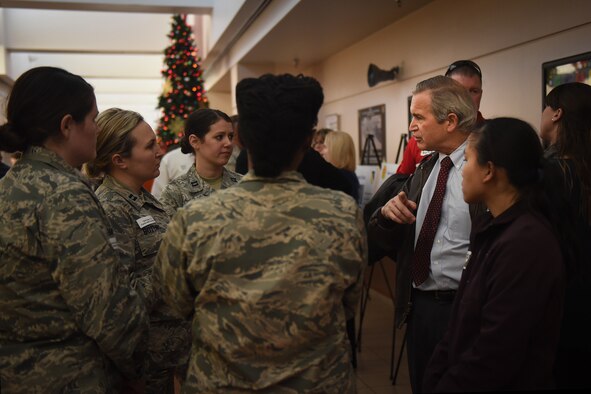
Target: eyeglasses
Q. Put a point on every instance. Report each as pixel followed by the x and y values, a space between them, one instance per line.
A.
pixel 463 63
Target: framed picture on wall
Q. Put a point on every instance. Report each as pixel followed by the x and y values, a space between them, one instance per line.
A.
pixel 332 122
pixel 372 122
pixel 575 68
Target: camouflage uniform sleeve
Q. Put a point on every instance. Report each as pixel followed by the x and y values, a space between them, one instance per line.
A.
pixel 170 200
pixel 352 294
pixel 89 277
pixel 122 225
pixel 170 280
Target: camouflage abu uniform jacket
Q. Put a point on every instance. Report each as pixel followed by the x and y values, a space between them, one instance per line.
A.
pixel 139 222
pixel 65 302
pixel 190 186
pixel 270 270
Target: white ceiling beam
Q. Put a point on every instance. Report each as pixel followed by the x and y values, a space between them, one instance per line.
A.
pixel 90 66
pixel 131 98
pixel 151 86
pixel 154 6
pixel 225 55
pixel 79 31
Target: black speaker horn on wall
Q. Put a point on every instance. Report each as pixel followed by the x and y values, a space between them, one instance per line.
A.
pixel 376 75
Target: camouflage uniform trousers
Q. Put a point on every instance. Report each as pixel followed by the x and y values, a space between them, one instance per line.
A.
pixel 169 345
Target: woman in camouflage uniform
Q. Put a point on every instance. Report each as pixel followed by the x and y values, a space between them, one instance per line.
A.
pixel 269 269
pixel 68 320
pixel 128 156
pixel 208 134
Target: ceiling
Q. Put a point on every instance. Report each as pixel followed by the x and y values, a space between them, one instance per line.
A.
pixel 118 45
pixel 316 29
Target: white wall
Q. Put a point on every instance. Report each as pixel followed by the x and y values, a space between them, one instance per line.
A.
pixel 509 40
pixel 223 13
pixel 221 101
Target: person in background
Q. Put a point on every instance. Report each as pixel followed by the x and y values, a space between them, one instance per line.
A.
pixel 469 75
pixel 318 141
pixel 315 170
pixel 127 156
pixel 69 321
pixel 3 168
pixel 340 152
pixel 208 135
pixel 14 157
pixel 566 131
pixel 337 148
pixel 427 224
pixel 271 268
pixel 236 148
pixel 504 325
pixel 174 164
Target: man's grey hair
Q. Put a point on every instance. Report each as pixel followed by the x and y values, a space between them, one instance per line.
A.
pixel 449 96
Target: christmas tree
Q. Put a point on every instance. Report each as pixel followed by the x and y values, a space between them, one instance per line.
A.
pixel 183 90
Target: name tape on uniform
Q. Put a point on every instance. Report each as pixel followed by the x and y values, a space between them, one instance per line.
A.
pixel 145 221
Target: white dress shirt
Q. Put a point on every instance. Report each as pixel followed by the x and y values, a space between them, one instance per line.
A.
pixel 452 238
pixel 174 164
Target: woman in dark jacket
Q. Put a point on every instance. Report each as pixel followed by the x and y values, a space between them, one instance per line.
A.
pixel 566 130
pixel 505 322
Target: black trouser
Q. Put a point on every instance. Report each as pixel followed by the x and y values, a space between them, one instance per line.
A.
pixel 572 369
pixel 427 323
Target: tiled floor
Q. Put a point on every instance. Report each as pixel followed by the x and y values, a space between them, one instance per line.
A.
pixel 373 369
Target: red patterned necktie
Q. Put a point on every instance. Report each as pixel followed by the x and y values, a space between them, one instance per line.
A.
pixel 419 269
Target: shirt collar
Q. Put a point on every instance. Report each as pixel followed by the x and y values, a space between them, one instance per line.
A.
pixel 286 176
pixel 44 155
pixel 136 200
pixel 457 156
pixel 197 184
pixel 487 221
pixel 479 119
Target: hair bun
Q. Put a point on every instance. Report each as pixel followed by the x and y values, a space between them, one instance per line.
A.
pixel 185 145
pixel 11 140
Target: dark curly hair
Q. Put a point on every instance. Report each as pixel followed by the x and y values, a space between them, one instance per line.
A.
pixel 278 114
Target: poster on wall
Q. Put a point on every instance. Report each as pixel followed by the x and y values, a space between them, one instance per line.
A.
pixel 371 178
pixel 569 69
pixel 372 122
pixel 332 122
pixel 368 176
